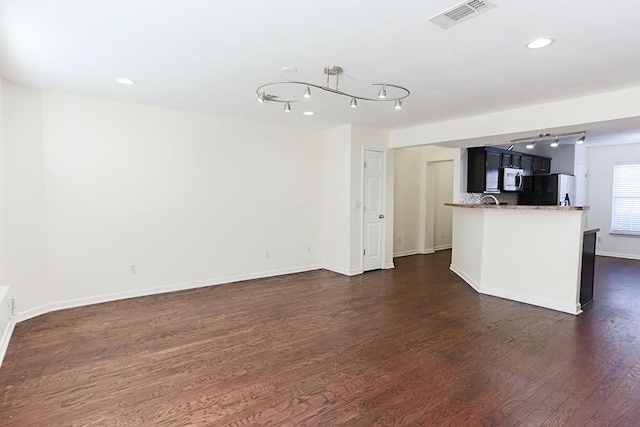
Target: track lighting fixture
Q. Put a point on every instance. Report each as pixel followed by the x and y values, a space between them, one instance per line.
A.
pixel 334 72
pixel 531 140
pixel 511 147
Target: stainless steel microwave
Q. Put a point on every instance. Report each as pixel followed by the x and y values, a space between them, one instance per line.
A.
pixel 512 179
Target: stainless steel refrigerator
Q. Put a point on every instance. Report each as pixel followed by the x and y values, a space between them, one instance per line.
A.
pixel 548 189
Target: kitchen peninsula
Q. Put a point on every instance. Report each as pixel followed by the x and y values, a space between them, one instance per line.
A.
pixel 531 254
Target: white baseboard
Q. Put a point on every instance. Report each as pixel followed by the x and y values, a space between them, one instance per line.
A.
pixel 405 253
pixel 389 266
pixel 7 322
pixel 343 271
pixel 427 251
pixel 463 276
pixel 6 337
pixel 78 302
pixel 442 247
pixel 540 302
pixel 617 255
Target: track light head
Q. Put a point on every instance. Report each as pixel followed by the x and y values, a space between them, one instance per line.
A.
pixel 398 104
pixel 260 97
pixel 511 147
pixel 555 142
pixel 531 145
pixel 382 94
pixel 287 107
pixel 353 103
pixel 307 92
pixel 581 140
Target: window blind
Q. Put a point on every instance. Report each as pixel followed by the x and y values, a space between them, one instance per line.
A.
pixel 625 212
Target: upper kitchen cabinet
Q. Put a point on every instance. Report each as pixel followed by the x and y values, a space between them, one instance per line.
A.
pixel 526 165
pixel 484 164
pixel 541 165
pixel 510 160
pixel 483 170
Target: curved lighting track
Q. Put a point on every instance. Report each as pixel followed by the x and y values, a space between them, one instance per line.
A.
pixel 263 96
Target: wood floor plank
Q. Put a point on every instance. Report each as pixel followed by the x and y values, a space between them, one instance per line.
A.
pixel 410 346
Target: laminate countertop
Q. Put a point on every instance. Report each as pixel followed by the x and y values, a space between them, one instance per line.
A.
pixel 518 207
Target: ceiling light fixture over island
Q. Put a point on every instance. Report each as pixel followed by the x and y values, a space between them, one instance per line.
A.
pixel 531 254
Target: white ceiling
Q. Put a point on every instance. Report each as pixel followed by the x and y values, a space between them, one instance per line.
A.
pixel 210 56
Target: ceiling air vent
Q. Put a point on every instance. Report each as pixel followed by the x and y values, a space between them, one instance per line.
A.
pixel 461 12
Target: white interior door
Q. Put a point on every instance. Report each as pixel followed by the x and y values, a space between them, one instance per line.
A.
pixel 373 206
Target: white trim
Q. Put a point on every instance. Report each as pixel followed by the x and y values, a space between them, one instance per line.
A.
pixel 540 302
pixel 389 265
pixel 427 251
pixel 343 271
pixel 464 277
pixel 78 302
pixel 618 255
pixel 443 247
pixel 6 337
pixel 8 328
pixel 405 253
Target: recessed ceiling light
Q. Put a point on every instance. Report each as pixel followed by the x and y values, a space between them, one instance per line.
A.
pixel 308 113
pixel 539 43
pixel 125 81
pixel 289 69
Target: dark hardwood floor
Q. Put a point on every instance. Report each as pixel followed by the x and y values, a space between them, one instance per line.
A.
pixel 410 346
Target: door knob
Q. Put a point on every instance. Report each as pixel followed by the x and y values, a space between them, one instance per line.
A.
pixel 380 216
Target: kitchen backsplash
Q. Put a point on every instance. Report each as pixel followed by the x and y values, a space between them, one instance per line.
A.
pixel 509 198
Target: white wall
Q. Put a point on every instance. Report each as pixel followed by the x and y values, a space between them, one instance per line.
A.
pixel 6 325
pixel 337 200
pixel 407 191
pixel 25 237
pixel 599 198
pixel 563 157
pixel 3 168
pixel 188 199
pixel 414 201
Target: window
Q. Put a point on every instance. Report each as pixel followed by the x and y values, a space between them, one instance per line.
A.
pixel 625 212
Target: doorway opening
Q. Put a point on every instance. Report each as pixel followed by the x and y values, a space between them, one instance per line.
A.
pixel 438 218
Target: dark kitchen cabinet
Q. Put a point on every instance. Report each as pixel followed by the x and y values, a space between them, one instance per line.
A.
pixel 483 170
pixel 541 165
pixel 526 163
pixel 588 266
pixel 510 160
pixel 484 164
